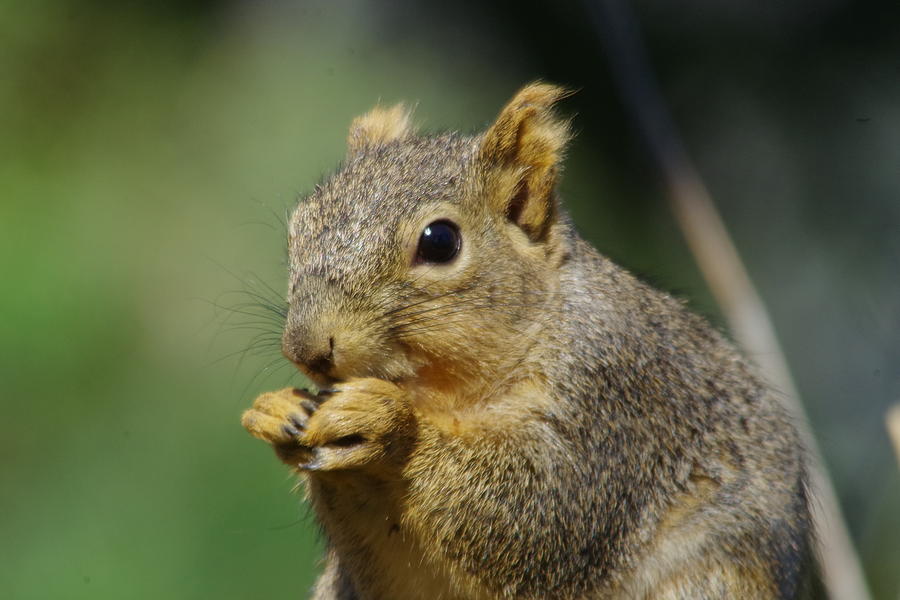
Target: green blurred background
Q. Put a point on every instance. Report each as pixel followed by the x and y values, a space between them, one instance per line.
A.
pixel 149 150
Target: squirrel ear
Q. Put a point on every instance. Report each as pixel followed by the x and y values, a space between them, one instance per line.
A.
pixel 379 126
pixel 521 153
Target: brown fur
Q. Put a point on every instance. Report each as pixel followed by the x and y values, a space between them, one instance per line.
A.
pixel 529 420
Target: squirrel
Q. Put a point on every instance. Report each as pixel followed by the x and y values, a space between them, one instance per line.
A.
pixel 502 411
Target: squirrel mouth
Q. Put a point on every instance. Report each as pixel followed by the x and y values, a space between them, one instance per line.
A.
pixel 319 371
pixel 316 374
pixel 331 362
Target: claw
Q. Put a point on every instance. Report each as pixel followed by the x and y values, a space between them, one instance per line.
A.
pixel 297 421
pixel 309 406
pixel 313 464
pixel 290 430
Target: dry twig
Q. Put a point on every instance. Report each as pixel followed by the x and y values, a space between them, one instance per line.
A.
pixel 892 420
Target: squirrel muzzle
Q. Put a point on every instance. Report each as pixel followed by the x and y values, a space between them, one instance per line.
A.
pixel 331 335
pixel 309 338
pixel 311 349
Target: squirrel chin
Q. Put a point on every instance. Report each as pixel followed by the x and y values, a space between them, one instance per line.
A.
pixel 321 380
pixel 324 380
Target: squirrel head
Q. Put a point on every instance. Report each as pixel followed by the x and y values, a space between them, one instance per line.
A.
pixel 429 256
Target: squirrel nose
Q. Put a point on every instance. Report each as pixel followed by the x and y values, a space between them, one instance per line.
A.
pixel 315 353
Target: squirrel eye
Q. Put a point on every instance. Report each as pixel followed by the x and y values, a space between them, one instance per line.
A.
pixel 439 242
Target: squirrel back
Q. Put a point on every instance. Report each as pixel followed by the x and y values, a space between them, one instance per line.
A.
pixel 505 413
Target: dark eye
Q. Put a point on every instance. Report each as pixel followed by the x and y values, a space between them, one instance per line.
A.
pixel 439 243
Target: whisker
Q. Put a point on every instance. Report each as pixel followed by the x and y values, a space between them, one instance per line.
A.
pixel 473 303
pixel 419 302
pixel 264 373
pixel 253 326
pixel 242 309
pixel 252 350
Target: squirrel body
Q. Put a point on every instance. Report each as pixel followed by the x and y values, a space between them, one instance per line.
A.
pixel 505 413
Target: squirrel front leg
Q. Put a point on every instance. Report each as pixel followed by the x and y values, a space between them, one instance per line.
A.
pixel 363 423
pixel 360 423
pixel 278 418
pixel 360 428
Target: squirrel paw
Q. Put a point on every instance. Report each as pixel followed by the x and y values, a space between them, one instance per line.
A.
pixel 360 423
pixel 280 418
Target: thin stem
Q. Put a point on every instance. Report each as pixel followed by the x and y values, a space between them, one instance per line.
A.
pixel 892 420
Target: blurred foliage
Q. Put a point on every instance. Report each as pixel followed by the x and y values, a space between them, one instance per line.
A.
pixel 150 150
